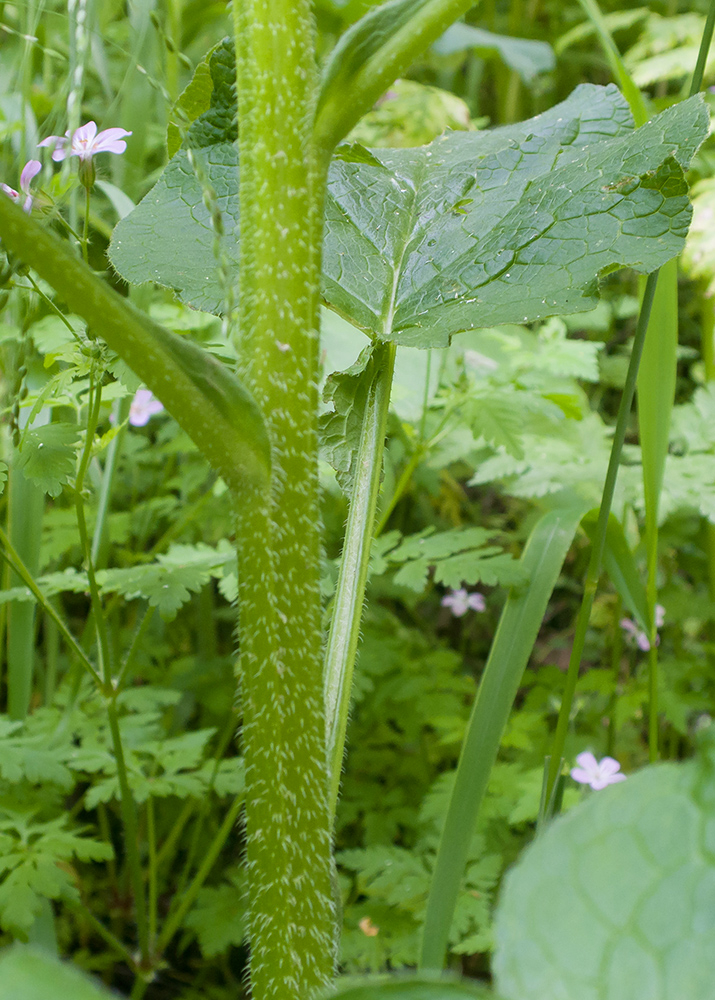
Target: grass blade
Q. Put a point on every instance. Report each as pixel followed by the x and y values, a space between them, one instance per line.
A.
pixel 26 504
pixel 518 628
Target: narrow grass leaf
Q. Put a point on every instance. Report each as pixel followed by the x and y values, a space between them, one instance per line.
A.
pixel 621 567
pixel 518 628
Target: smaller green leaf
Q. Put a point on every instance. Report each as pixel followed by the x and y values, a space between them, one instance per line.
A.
pixel 219 915
pixel 340 429
pixel 48 457
pixel 525 56
pixel 33 974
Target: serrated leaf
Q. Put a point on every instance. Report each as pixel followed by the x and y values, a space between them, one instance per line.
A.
pixel 219 916
pixel 34 974
pixel 476 229
pixel 48 457
pixel 627 896
pixel 459 556
pixel 526 56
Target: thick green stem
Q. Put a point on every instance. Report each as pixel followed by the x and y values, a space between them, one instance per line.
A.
pixel 350 594
pixel 281 193
pixel 594 566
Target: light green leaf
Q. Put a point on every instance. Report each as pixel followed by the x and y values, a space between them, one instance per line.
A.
pixel 47 456
pixel 613 900
pixel 412 988
pixel 33 974
pixel 525 56
pixel 477 229
pixel 459 556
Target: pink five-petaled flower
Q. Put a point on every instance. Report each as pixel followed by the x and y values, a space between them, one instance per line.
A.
pixel 460 602
pixel 30 170
pixel 596 773
pixel 85 142
pixel 143 408
pixel 637 635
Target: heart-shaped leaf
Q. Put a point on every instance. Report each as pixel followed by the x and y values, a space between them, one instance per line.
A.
pixel 474 230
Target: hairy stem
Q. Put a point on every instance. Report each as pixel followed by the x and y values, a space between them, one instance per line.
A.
pixel 281 193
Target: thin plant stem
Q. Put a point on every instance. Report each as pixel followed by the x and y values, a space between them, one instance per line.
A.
pixel 18 565
pixel 134 648
pixel 85 227
pixel 121 412
pixel 131 831
pixel 594 566
pixel 167 848
pixel 152 870
pixel 95 599
pixel 110 939
pixel 48 302
pixel 176 917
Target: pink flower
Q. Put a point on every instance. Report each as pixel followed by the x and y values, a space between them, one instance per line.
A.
pixel 637 635
pixel 85 142
pixel 30 170
pixel 596 773
pixel 461 602
pixel 143 408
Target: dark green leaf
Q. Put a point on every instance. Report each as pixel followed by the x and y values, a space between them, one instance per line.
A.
pixel 620 565
pixel 340 429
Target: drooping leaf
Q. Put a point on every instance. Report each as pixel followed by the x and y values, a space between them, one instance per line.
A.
pixel 340 429
pixel 205 106
pixel 613 901
pixel 34 974
pixel 526 56
pixel 477 229
pixel 48 456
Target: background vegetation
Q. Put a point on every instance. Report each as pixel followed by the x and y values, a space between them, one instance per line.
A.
pixel 481 435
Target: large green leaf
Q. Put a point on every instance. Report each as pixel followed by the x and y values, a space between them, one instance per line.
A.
pixel 616 900
pixel 476 229
pixel 32 974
